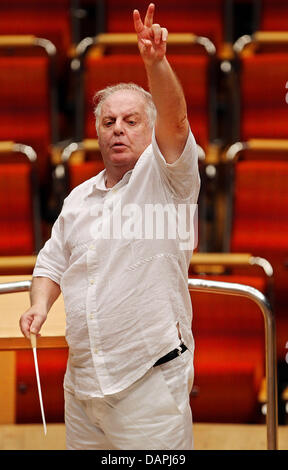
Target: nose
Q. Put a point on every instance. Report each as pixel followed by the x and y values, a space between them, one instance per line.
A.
pixel 118 127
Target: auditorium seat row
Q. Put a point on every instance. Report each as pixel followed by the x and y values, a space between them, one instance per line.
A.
pixel 45 100
pixel 66 22
pixel 249 101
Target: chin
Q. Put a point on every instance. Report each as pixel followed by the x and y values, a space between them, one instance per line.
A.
pixel 123 160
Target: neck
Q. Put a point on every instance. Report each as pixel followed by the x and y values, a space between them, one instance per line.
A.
pixel 114 177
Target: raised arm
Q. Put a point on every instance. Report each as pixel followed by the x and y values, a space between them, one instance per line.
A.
pixel 172 127
pixel 43 294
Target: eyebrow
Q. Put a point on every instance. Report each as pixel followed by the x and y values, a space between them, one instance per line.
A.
pixel 108 116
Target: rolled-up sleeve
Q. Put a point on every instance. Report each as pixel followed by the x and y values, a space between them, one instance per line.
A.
pixel 52 260
pixel 182 176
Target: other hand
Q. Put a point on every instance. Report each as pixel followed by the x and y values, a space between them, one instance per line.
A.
pixel 31 321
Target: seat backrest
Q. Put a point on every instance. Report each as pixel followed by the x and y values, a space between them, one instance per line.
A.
pixel 263 87
pixel 16 212
pixel 273 15
pixel 45 19
pixel 80 172
pixel 260 210
pixel 28 111
pixel 20 231
pixel 221 316
pixel 202 17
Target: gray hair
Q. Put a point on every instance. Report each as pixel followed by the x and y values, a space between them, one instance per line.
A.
pixel 102 95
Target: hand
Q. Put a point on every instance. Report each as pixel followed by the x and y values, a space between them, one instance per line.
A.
pixel 151 37
pixel 31 321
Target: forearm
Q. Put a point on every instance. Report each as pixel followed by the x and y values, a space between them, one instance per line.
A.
pixel 167 95
pixel 44 292
pixel 172 126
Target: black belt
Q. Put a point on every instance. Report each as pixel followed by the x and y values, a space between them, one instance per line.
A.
pixel 171 355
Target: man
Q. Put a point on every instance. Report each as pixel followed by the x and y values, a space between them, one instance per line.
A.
pixel 128 309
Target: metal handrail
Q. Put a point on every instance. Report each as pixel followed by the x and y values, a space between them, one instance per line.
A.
pixel 274 145
pixel 242 290
pixel 260 37
pixel 24 40
pixel 256 296
pixel 12 287
pixel 112 39
pixel 9 146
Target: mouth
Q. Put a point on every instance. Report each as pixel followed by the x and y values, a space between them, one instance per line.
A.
pixel 118 146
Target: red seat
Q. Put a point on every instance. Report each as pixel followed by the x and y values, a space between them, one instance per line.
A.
pixel 204 18
pixel 263 109
pixel 260 224
pixel 227 388
pixel 81 161
pixel 48 19
pixel 229 359
pixel 80 172
pixel 28 112
pixel 273 15
pixel 261 206
pixel 19 217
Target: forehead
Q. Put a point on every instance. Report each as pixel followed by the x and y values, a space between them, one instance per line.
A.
pixel 123 102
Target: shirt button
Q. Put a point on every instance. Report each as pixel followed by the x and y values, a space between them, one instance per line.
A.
pixel 92 281
pixel 95 351
pixel 92 247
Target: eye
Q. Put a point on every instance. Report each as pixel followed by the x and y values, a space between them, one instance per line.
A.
pixel 131 122
pixel 108 121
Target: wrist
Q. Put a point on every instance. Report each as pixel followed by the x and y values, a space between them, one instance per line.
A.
pixel 41 307
pixel 154 64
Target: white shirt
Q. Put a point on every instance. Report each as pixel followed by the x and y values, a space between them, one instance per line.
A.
pixel 124 296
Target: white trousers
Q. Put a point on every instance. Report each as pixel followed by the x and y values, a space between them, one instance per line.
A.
pixel 152 414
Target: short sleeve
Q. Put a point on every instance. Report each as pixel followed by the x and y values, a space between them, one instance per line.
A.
pixel 182 176
pixel 52 260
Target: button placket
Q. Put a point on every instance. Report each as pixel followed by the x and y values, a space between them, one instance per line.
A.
pixel 92 265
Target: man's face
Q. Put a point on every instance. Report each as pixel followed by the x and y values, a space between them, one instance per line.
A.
pixel 124 131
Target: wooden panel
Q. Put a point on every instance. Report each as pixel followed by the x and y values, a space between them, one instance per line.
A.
pixel 7 387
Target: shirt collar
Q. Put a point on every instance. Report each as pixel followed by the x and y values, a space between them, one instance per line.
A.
pixel 100 179
pixel 99 182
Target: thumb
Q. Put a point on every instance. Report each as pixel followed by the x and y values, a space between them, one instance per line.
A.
pixel 146 43
pixel 36 324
